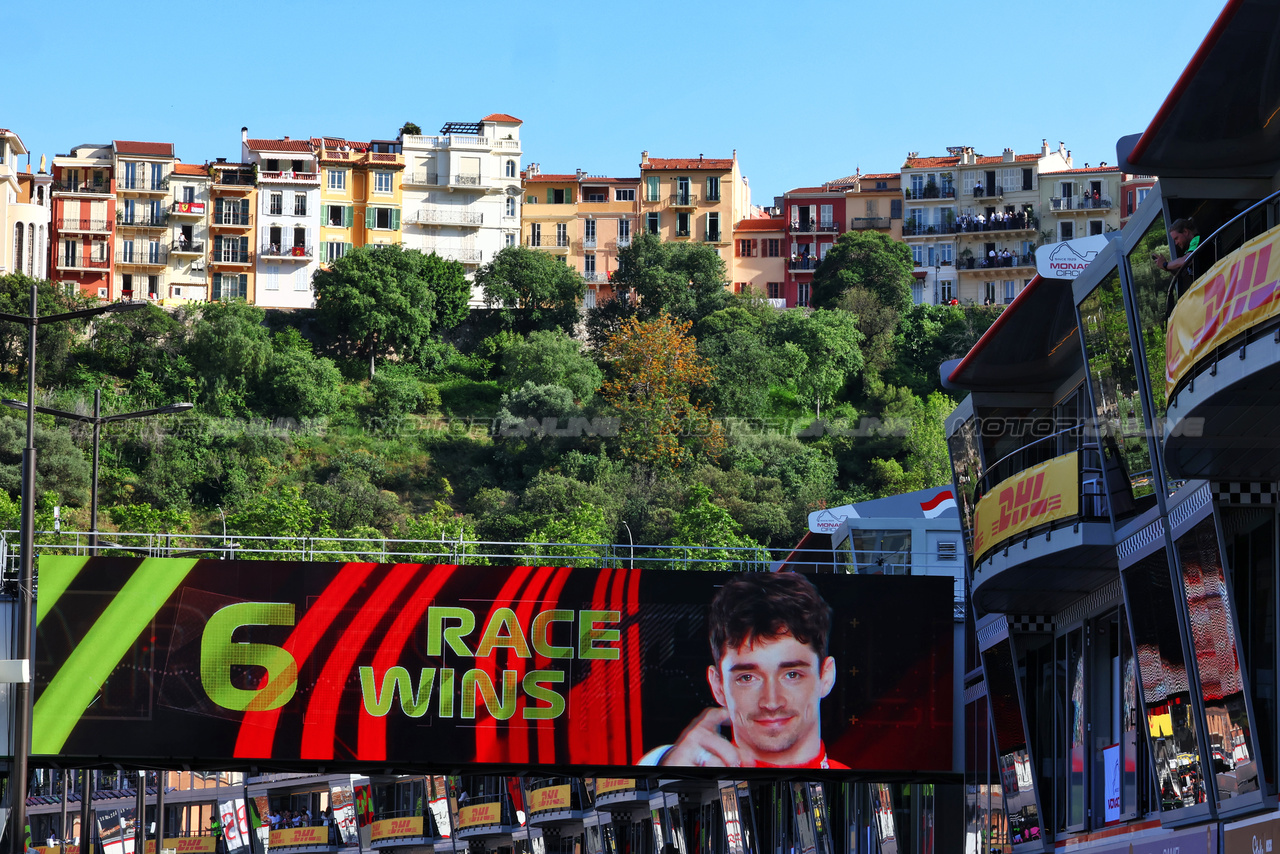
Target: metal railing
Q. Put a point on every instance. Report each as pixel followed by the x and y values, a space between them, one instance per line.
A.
pixel 287 175
pixel 1014 260
pixel 1079 203
pixel 446 216
pixel 684 200
pixel 466 180
pixel 143 219
pixel 548 242
pixel 79 262
pixel 860 223
pixel 421 177
pixel 193 247
pixel 620 243
pixel 233 217
pixel 930 193
pixel 596 278
pixel 807 262
pixel 81 187
pixel 231 256
pixel 143 183
pixel 1090 471
pixel 812 227
pixel 913 228
pixel 233 178
pixel 987 192
pixel 273 250
pixel 713 237
pixel 83 224
pixel 143 257
pixel 969 225
pixel 589 242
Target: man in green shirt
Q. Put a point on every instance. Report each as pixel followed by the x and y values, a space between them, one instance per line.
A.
pixel 1185 240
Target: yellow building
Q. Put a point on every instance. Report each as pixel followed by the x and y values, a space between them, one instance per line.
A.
pixel 360 194
pixel 234 195
pixel 694 199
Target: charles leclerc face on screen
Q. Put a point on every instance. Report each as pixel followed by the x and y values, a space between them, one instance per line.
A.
pixel 772 689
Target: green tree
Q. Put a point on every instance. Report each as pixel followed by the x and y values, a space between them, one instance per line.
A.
pixel 831 344
pixel 715 538
pixel 281 512
pixel 230 349
pixel 550 357
pixel 380 300
pixel 736 344
pixel 142 518
pixel 532 290
pixel 296 383
pixel 60 466
pixel 684 279
pixel 868 259
pixel 53 343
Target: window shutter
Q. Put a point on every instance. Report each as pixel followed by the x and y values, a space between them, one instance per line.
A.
pixel 348 216
pixel 568 196
pixel 244 211
pixel 243 292
pixel 757 248
pixel 395 219
pixel 369 217
pixel 551 196
pixel 346 247
pixel 217 247
pixel 217 208
pixel 244 249
pixel 216 292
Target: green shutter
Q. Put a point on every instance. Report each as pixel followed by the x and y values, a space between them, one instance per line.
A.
pixel 568 196
pixel 244 211
pixel 395 219
pixel 244 249
pixel 244 286
pixel 651 183
pixel 346 247
pixel 369 217
pixel 217 247
pixel 216 292
pixel 348 216
pixel 551 196
pixel 217 209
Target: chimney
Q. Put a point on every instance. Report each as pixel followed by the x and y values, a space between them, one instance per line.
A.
pixel 735 154
pixel 244 134
pixel 644 159
pixel 1008 155
pixel 1044 147
pixel 1068 157
pixel 1103 164
pixel 286 139
pixel 580 174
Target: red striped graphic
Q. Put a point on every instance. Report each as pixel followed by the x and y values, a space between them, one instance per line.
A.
pixel 933 502
pixel 488 748
pixel 546 730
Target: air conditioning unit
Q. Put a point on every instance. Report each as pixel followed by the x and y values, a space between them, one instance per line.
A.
pixel 197 264
pixel 102 293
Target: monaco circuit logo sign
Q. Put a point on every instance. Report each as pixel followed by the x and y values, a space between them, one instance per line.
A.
pixel 1070 258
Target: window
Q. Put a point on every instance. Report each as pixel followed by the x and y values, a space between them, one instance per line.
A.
pixel 1066 230
pixel 713 189
pixel 871 208
pixel 772 247
pixel 651 188
pixel 1142 194
pixel 651 223
pixel 530 199
pixel 300 237
pixel 624 231
pixel 535 234
pixel 188 194
pixel 825 216
pixel 1027 179
pixel 562 234
pixel 1095 226
pixel 276 206
pixel 746 248
pixel 713 226
pixel 273 165
pixel 945 253
pixel 337 179
pixel 386 219
pixel 558 197
pixel 509 239
pixel 917 291
pixel 299 204
pixel 989 294
pixel 596 197
pixel 511 206
pixel 946 291
pixel 301 279
pixel 917 254
pixel 511 169
pixel 1008 292
pixel 917 186
pixel 270 278
pixel 620 195
pixel 297 165
pixel 337 216
pixel 589 263
pixel 682 224
pixel 334 249
pixel 774 290
pixel 802 293
pixel 382 182
pixel 589 230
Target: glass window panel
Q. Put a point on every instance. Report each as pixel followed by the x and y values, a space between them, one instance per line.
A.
pixel 1114 381
pixel 1162 672
pixel 967 469
pixel 1072 675
pixel 1129 714
pixel 1012 755
pixel 1229 732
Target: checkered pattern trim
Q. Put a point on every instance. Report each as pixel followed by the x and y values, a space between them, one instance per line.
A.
pixel 1228 492
pixel 1023 623
pixel 1140 540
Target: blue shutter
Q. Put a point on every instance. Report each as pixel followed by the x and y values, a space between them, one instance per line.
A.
pixel 216 292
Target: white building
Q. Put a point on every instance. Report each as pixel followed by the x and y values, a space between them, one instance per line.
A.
pixel 461 191
pixel 288 218
pixel 189 209
pixel 24 212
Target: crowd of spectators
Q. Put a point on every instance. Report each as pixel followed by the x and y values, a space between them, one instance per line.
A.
pixel 997 221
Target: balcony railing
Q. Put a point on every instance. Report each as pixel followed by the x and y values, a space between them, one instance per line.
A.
pixel 233 218
pixel 143 219
pixel 621 243
pixel 143 257
pixel 1018 222
pixel 231 256
pixel 81 187
pixel 79 262
pixel 861 223
pixel 271 250
pixel 684 200
pixel 187 209
pixel 447 216
pixel 465 180
pixel 445 140
pixel 988 192
pixel 683 232
pixel 589 242
pixel 421 178
pixel 188 247
pixel 911 228
pixel 596 278
pixel 143 183
pixel 290 177
pixel 988 263
pixel 548 242
pixel 930 193
pixel 805 262
pixel 508 144
pixel 83 224
pixel 713 237
pixel 233 178
pixel 814 227
pixel 1079 203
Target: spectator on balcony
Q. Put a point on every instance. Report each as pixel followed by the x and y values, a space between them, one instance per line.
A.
pixel 992 258
pixel 1186 239
pixel 977 188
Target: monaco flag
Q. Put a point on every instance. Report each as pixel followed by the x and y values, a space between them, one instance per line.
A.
pixel 938 504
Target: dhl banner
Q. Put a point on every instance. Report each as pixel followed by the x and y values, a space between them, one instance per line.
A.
pixel 187 845
pixel 479 815
pixel 607 785
pixel 1237 293
pixel 300 836
pixel 548 798
pixel 391 828
pixel 1043 493
pixel 64 849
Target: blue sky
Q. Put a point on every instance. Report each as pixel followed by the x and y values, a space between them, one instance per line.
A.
pixel 805 90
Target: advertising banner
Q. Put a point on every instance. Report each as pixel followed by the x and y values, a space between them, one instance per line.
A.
pixel 235 824
pixel 1111 782
pixel 1035 496
pixel 1236 294
pixel 299 836
pixel 364 805
pixel 391 828
pixel 548 798
pixel 115 829
pixel 607 785
pixel 441 666
pixel 342 802
pixel 480 815
pixel 1067 259
pixel 187 845
pixel 1252 837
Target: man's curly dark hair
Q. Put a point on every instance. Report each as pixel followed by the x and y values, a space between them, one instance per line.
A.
pixel 769 605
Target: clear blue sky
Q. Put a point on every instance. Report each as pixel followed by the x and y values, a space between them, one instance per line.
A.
pixel 805 90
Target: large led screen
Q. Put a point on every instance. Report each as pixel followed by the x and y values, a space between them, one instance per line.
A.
pixel 422 667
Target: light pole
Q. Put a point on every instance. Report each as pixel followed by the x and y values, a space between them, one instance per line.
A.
pixel 632 541
pixel 97 419
pixel 27 567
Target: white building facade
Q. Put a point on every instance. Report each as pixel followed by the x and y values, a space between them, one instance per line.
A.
pixel 288 216
pixel 24 212
pixel 189 210
pixel 462 192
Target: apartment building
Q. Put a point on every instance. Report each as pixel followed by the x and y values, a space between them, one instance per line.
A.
pixel 83 216
pixel 760 258
pixel 233 191
pixel 288 219
pixel 1133 192
pixel 461 191
pixel 25 207
pixel 694 199
pixel 814 218
pixel 360 194
pixel 189 212
pixel 142 171
pixel 1079 202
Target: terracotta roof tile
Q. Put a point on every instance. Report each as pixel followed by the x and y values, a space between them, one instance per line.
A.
pixel 687 163
pixel 880 176
pixel 1017 158
pixel 501 117
pixel 545 178
pixel 189 169
pixel 303 145
pixel 1085 169
pixel 929 162
pixel 153 149
pixel 773 223
pixel 809 190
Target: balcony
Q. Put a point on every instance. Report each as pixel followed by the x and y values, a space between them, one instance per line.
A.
pixel 716 237
pixel 142 219
pixel 596 278
pixel 589 242
pixel 187 209
pixel 143 257
pixel 98 189
pixel 83 224
pixel 289 177
pixel 930 193
pixel 1222 354
pixel 272 252
pixel 913 228
pixel 422 178
pixel 622 792
pixel 447 216
pixel 684 232
pixel 555 245
pixel 512 145
pixel 684 200
pixel 553 801
pixel 620 243
pixel 231 256
pixel 413 828
pixel 1019 221
pixel 463 256
pixel 803 263
pixel 188 247
pixel 995 192
pixel 233 178
pixel 978 265
pixel 814 227
pixel 142 184
pixel 1079 203
pixel 452 140
pixel 465 179
pixel 79 262
pixel 1041 526
pixel 232 219
pixel 863 223
pixel 486 816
